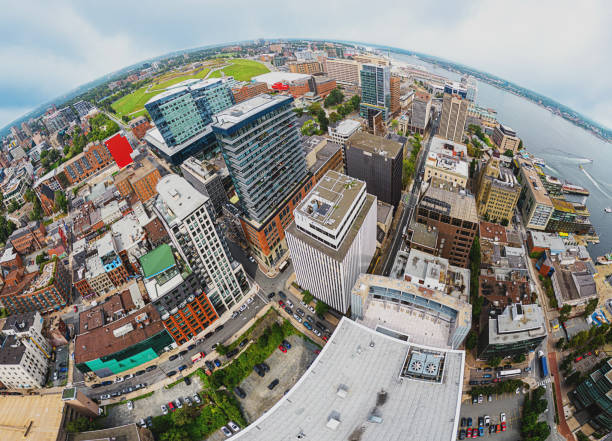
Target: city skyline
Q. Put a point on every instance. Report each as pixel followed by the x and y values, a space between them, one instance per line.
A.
pixel 86 42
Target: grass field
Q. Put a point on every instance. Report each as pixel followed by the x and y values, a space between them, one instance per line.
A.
pixel 133 104
pixel 242 70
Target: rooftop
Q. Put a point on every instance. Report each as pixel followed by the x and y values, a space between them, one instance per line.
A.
pixel 456 205
pixel 330 201
pixel 447 147
pixel 346 127
pixel 177 198
pixel 493 232
pixel 517 322
pixel 249 108
pixel 45 412
pixel 356 379
pixel 374 144
pixel 128 432
pixel 135 170
pixel 532 180
pixel 507 130
pixel 11 350
pixel 157 261
pixel 271 78
pixel 112 308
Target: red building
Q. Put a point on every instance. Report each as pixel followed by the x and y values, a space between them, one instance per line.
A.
pixel 120 149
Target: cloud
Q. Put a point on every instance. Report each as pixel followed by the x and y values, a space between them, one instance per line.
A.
pixel 556 48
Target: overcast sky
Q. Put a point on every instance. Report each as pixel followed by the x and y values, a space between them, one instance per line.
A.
pixel 558 48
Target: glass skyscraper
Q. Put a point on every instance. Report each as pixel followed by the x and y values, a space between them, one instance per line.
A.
pixel 261 146
pixel 375 90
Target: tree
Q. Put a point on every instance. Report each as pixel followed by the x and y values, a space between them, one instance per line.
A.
pixel 221 349
pixel 125 118
pixel 509 153
pixel 81 424
pixel 394 124
pixel 41 258
pixel 494 362
pixel 61 203
pixel 309 128
pixel 519 358
pixel 321 308
pixel 298 111
pixel 307 296
pixel 185 415
pixel 334 97
pixel 520 147
pixel 505 222
pixel 334 117
pixel 471 341
pixel 13 206
pixel 565 312
pixel 175 434
pixel 590 307
pixel 323 121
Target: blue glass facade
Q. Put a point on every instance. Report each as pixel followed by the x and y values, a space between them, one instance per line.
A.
pixel 375 90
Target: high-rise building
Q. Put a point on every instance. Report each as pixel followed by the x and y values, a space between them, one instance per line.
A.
pixel 534 202
pixel 305 67
pixel 378 162
pixel 182 117
pixel 420 112
pixel 451 216
pixel 452 120
pixel 185 214
pixel 341 132
pixel 333 238
pixel 375 91
pixel 261 146
pixel 593 399
pixel 395 83
pixel 505 138
pixel 206 180
pixel 498 191
pixel 453 88
pixel 469 82
pixel 343 71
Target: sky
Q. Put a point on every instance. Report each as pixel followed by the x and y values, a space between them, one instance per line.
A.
pixel 560 49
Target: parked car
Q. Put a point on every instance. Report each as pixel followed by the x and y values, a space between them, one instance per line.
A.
pixel 289 303
pixel 106 383
pixel 308 326
pixel 171 406
pixel 151 368
pixel 128 376
pixel 480 399
pixel 487 420
pixel 239 392
pixel 286 344
pixel 273 384
pixel 115 394
pixel 480 421
pixel 188 400
pixel 271 295
pixel 243 343
pixel 105 397
pixel 217 362
pixel 503 427
pixel 481 431
pixel 197 399
pixel 232 425
pixel 208 334
pixel 226 431
pixel 300 312
pixel 164 409
pixel 462 434
pixel 130 405
pixel 502 417
pixel 141 423
pixel 173 357
pixel 310 308
pixel 259 371
pixel 316 332
pixel 96 385
pixel 490 398
pixel 140 372
pixel 179 402
pixel 282 349
pixel 187 381
pixel 171 373
pixel 463 422
pixel 190 347
pixel 281 303
pixel 469 422
pixel 119 379
pixel 182 367
pixel 183 353
pixel 149 422
pixel 250 300
pixel 282 295
pixel 265 366
pixel 488 369
pixel 231 353
pixel 298 318
pixel 288 310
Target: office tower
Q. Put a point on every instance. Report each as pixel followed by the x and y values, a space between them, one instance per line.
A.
pixel 185 213
pixel 452 218
pixel 420 112
pixel 378 162
pixel 261 146
pixel 333 238
pixel 498 191
pixel 454 88
pixel 505 138
pixel 395 83
pixel 375 91
pixel 452 120
pixel 534 202
pixel 206 180
pixel 469 82
pixel 341 132
pixel 182 117
pixel 593 399
pixel 343 71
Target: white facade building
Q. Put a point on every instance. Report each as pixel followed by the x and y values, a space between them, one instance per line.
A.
pixel 333 238
pixel 24 352
pixel 184 212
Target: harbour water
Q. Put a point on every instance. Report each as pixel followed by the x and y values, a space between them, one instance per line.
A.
pixel 563 146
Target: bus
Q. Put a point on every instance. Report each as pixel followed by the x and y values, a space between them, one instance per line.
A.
pixel 543 364
pixel 509 373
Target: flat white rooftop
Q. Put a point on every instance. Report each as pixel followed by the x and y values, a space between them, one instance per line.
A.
pixel 347 127
pixel 338 394
pixel 177 198
pixel 279 77
pixel 241 111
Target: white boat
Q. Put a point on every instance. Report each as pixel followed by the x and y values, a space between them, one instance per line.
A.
pixel 608 210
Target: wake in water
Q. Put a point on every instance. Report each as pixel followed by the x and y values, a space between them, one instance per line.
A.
pixel 554 170
pixel 595 183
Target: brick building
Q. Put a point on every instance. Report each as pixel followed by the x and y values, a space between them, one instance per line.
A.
pixel 138 178
pixel 140 126
pixel 248 91
pixel 29 238
pixel 94 158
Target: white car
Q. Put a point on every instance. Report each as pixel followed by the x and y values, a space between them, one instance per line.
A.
pixel 232 425
pixel 226 431
pixel 128 376
pixel 487 420
pixel 316 332
pixel 502 417
pixel 289 303
pixel 311 309
pixel 119 379
pixel 197 398
pixel 130 405
pixel 179 402
pixel 298 318
pixel 243 307
pixel 250 300
pixel 164 409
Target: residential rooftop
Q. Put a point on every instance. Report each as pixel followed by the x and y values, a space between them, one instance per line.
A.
pixel 532 180
pixel 360 376
pixel 248 109
pixel 157 261
pixel 177 198
pixel 346 127
pixel 456 205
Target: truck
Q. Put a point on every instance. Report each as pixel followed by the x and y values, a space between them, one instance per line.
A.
pixel 543 364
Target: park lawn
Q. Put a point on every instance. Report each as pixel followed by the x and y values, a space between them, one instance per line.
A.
pixel 171 82
pixel 242 70
pixel 132 102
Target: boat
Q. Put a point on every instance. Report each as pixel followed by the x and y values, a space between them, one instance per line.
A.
pixel 538 161
pixel 606 259
pixel 574 189
pixel 608 210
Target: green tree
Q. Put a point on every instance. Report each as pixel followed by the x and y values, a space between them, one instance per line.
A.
pixel 298 111
pixel 307 296
pixel 321 308
pixel 505 222
pixel 221 349
pixel 61 203
pixel 494 362
pixel 471 341
pixel 81 424
pixel 394 124
pixel 175 434
pixel 519 358
pixel 509 153
pixel 323 121
pixel 335 97
pixel 565 312
pixel 590 307
pixel 41 258
pixel 334 117
pixel 185 415
pixel 309 128
pixel 13 206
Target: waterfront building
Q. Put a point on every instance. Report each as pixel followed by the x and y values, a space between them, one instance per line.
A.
pixel 333 238
pixel 375 91
pixel 535 204
pixel 569 217
pixel 453 117
pixel 378 162
pixel 498 191
pixel 185 214
pixel 505 138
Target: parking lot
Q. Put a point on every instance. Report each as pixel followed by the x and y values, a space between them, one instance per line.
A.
pixel 510 404
pixel 150 406
pixel 286 367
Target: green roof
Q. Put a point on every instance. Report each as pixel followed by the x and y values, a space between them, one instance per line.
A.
pixel 157 261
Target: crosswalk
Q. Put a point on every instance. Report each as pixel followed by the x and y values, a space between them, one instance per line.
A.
pixel 545 381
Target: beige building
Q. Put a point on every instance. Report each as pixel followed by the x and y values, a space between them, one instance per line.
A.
pixel 305 67
pixel 343 71
pixel 452 120
pixel 446 161
pixel 371 59
pixel 534 203
pixel 98 279
pixel 498 192
pixel 505 138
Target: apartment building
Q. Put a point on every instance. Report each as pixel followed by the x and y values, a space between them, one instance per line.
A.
pixel 535 204
pixel 204 178
pixel 28 239
pixel 333 238
pixel 89 162
pixel 453 117
pixel 305 67
pixel 420 112
pixel 249 91
pixel 345 72
pixel 498 191
pixel 184 212
pixel 394 85
pixel 446 161
pixel 22 365
pixel 138 178
pixel 505 138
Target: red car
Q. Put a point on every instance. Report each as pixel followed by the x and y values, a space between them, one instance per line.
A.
pixel 325 338
pixel 171 406
pixel 468 432
pixel 497 428
pixel 503 426
pixel 76 308
pixel 281 303
pixel 282 349
pixel 577 359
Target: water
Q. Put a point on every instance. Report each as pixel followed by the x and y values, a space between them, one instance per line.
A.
pixel 562 145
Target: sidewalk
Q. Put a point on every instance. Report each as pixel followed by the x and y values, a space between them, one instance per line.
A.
pixel 563 428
